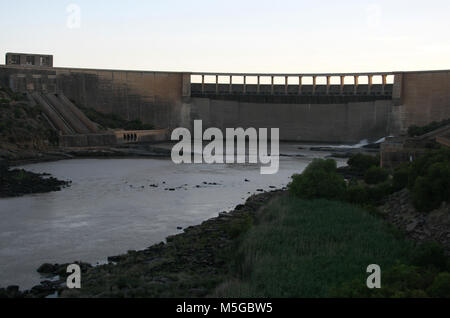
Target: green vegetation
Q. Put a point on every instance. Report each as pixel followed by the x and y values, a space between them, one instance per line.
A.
pixel 321 248
pixel 318 180
pixel 400 177
pixel 305 248
pixel 400 281
pixel 114 121
pixel 430 254
pixel 375 175
pixel 325 244
pixel 367 195
pixel 428 178
pixel 414 130
pixel 363 162
pixel 425 275
pixel 433 188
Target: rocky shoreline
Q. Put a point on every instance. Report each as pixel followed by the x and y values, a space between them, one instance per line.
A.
pixel 420 227
pixel 123 151
pixel 19 182
pixel 190 264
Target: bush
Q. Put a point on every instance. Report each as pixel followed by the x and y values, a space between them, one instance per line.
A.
pixel 421 165
pixel 441 286
pixel 356 194
pixel 431 190
pixel 363 162
pixel 364 195
pixel 400 177
pixel 376 194
pixel 319 180
pixel 375 175
pixel 430 254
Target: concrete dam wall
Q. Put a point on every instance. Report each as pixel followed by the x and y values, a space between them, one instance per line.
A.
pixel 327 108
pixel 152 97
pixel 424 97
pixel 345 122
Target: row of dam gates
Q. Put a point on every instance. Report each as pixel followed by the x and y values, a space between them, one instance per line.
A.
pixel 344 108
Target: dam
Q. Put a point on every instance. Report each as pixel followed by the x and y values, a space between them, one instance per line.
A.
pixel 325 107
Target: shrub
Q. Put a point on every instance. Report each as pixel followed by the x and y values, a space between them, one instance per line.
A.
pixel 364 195
pixel 400 177
pixel 375 175
pixel 356 194
pixel 319 180
pixel 421 165
pixel 441 286
pixel 430 254
pixel 376 194
pixel 431 190
pixel 363 162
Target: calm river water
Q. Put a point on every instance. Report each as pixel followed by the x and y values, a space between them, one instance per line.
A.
pixel 111 208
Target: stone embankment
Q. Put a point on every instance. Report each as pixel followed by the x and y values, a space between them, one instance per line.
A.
pixel 421 227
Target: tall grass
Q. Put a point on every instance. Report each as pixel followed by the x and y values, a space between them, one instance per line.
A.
pixel 303 248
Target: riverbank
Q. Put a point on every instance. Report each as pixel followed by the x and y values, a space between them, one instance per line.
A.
pixel 19 182
pixel 190 264
pixel 24 157
pixel 274 245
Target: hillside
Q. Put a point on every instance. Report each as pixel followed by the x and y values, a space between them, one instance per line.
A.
pixel 23 129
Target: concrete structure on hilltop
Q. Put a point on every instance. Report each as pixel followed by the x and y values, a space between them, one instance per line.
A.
pixel 343 108
pixel 25 59
pixel 397 150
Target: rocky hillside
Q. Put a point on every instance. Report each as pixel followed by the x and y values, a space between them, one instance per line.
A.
pixel 419 226
pixel 23 130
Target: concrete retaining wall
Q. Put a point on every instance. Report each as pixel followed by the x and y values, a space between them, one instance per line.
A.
pixel 91 140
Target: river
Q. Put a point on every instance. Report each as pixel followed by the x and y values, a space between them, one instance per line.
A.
pixel 111 207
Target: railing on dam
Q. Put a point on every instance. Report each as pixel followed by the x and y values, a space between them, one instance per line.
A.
pixel 331 84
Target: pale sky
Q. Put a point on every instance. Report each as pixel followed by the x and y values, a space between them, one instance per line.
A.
pixel 232 36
